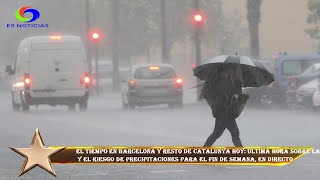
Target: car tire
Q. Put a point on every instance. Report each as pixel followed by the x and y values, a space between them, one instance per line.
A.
pixel 24 103
pixel 315 108
pixel 292 106
pixel 83 105
pixel 124 105
pixel 25 107
pixel 179 105
pixel 131 106
pixel 72 107
pixel 15 106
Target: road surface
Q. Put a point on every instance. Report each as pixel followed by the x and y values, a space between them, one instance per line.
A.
pixel 106 123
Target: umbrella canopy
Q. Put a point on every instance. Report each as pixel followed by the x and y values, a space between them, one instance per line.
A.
pixel 252 73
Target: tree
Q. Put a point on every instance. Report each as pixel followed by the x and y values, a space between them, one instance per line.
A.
pixel 137 26
pixel 253 16
pixel 314 19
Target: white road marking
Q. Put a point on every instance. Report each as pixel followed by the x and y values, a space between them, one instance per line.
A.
pixel 247 167
pixel 96 174
pixel 170 171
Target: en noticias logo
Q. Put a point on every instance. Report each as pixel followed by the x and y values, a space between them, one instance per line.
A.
pixel 27 21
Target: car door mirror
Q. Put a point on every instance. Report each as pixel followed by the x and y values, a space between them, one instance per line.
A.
pixel 9 70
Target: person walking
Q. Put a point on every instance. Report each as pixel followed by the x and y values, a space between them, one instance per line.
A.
pixel 224 77
pixel 221 94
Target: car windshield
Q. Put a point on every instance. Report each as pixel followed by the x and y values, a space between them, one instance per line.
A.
pixel 311 70
pixel 156 73
pixel 297 67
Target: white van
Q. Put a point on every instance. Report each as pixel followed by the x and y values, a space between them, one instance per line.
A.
pixel 50 70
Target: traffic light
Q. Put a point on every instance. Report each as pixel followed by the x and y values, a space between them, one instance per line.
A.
pixel 198 18
pixel 95 36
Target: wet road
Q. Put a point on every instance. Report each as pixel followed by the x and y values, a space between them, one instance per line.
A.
pixel 106 123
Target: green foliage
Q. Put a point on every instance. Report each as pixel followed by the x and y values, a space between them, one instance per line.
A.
pixel 313 19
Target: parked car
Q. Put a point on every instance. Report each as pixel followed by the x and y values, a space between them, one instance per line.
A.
pixel 50 70
pixel 316 99
pixel 150 85
pixel 306 92
pixel 262 95
pixel 287 66
pixel 294 82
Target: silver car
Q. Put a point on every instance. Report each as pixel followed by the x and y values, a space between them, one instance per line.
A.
pixel 150 85
pixel 305 93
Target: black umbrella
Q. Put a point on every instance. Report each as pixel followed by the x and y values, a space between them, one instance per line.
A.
pixel 252 73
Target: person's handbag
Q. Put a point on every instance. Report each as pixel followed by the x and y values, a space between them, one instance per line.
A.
pixel 240 104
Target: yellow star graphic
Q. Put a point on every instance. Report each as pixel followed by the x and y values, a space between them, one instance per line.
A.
pixel 37 155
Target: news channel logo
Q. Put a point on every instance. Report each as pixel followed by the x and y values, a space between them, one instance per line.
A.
pixel 27 15
pixel 27 9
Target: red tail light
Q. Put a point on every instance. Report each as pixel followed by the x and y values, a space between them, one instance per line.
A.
pixel 87 80
pixel 132 83
pixel 179 82
pixel 27 81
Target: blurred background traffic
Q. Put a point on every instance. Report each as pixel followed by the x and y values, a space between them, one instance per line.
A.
pixel 121 34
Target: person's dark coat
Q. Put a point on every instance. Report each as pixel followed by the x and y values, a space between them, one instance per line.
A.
pixel 220 95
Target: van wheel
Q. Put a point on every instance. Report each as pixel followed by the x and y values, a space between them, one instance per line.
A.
pixel 15 107
pixel 72 107
pixel 131 106
pixel 83 105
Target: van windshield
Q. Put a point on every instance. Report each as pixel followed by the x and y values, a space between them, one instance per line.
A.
pixel 56 46
pixel 161 73
pixel 297 67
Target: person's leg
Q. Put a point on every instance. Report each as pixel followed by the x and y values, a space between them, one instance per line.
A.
pixel 232 126
pixel 217 132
